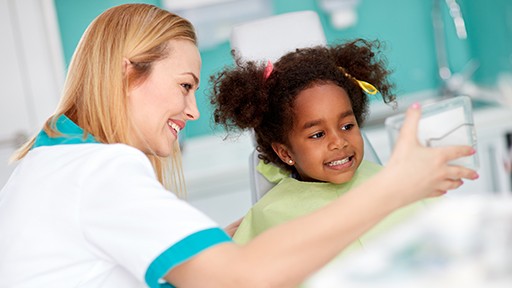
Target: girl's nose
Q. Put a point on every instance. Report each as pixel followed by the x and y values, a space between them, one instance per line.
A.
pixel 337 141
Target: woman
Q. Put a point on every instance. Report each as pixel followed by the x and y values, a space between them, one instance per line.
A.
pixel 88 204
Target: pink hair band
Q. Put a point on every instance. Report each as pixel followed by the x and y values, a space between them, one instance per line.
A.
pixel 268 70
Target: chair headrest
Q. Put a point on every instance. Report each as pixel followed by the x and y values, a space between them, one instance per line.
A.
pixel 272 37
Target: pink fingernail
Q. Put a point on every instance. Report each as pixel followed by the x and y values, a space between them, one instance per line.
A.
pixel 415 105
pixel 476 176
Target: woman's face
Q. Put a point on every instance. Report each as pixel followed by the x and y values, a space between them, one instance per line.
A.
pixel 161 105
pixel 325 142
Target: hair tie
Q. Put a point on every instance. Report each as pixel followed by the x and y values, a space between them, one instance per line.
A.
pixel 268 70
pixel 367 87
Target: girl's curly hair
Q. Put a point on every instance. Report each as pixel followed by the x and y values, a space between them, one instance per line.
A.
pixel 244 99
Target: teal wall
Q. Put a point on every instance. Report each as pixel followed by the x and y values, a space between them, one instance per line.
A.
pixel 490 25
pixel 75 15
pixel 404 26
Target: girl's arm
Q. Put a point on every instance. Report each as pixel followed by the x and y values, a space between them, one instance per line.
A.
pixel 286 255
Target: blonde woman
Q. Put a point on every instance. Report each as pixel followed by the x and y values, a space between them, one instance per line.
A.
pixel 89 203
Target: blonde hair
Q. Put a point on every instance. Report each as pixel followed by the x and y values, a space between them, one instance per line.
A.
pixel 96 87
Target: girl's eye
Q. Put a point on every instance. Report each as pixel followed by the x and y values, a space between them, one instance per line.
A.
pixel 347 127
pixel 317 135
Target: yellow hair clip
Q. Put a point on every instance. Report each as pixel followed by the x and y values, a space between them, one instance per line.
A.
pixel 367 87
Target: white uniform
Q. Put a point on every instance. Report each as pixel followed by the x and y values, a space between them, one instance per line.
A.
pixel 76 213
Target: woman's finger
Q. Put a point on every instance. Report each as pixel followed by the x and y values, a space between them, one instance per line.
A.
pixel 444 186
pixel 456 151
pixel 409 130
pixel 460 172
pixel 437 193
pixel 450 184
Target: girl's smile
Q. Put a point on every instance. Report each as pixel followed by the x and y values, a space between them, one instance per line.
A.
pixel 341 163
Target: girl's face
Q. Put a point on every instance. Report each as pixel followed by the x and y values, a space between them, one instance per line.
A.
pixel 162 104
pixel 325 142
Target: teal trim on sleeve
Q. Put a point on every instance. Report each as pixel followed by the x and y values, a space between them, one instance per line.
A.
pixel 71 134
pixel 182 251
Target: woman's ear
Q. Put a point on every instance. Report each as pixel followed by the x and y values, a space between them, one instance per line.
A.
pixel 283 153
pixel 126 65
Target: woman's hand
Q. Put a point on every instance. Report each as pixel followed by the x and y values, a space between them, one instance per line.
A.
pixel 231 228
pixel 424 171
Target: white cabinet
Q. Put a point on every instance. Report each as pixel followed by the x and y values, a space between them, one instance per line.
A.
pixel 217 176
pixel 31 74
pixel 492 126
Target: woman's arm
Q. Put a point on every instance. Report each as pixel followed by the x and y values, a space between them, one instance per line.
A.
pixel 286 255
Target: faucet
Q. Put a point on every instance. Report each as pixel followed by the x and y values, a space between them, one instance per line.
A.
pixel 451 83
pixel 458 20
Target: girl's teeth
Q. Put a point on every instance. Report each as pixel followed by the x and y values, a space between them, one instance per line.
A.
pixel 339 162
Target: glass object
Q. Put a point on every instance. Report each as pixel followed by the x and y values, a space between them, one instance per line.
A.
pixel 443 123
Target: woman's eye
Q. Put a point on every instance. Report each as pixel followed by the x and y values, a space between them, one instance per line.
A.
pixel 187 86
pixel 347 127
pixel 317 135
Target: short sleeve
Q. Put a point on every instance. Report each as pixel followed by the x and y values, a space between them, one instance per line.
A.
pixel 129 218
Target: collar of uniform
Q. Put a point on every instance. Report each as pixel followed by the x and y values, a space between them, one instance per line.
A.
pixel 71 134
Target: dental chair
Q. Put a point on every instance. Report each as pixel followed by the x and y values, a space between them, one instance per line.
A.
pixel 269 39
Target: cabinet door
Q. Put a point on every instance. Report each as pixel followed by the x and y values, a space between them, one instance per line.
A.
pixel 14 113
pixel 31 74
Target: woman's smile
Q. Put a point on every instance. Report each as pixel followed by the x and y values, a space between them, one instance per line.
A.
pixel 176 126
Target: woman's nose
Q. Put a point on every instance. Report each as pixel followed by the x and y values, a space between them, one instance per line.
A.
pixel 191 109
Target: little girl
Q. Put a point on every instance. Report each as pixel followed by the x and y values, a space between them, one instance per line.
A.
pixel 306 111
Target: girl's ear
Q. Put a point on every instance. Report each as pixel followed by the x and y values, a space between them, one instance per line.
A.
pixel 282 152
